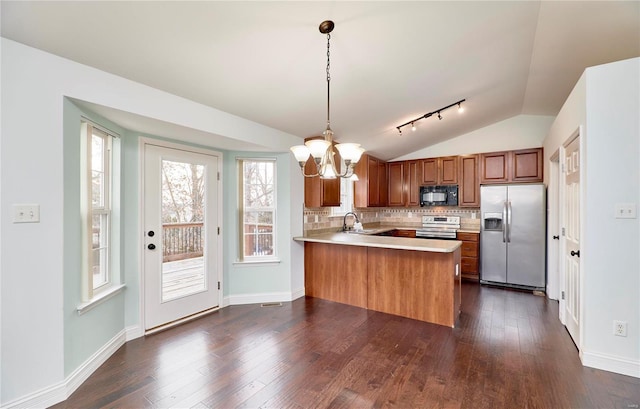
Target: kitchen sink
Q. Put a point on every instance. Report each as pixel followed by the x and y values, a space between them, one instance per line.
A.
pixel 365 231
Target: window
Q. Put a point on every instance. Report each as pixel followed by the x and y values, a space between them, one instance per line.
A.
pixel 346 198
pixel 257 209
pixel 99 236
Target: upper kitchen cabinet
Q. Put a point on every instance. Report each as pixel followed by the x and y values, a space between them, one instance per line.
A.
pixel 527 165
pixel 511 166
pixel 370 190
pixel 494 167
pixel 469 183
pixel 320 192
pixel 404 183
pixel 439 171
pixel 396 195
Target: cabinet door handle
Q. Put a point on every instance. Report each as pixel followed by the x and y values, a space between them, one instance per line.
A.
pixel 556 237
pixel 575 253
pixel 151 246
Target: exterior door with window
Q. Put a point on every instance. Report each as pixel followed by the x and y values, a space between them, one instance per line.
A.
pixel 182 249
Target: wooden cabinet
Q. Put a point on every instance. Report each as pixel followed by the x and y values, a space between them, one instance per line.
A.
pixel 526 165
pixel 396 183
pixel 404 233
pixel 411 182
pixel 494 167
pixel 439 171
pixel 511 166
pixel 404 186
pixel 383 183
pixel 469 183
pixel 470 252
pixel 320 192
pixel 371 188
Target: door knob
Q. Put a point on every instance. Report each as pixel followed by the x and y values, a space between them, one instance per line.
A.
pixel 556 237
pixel 153 247
pixel 575 253
pixel 151 233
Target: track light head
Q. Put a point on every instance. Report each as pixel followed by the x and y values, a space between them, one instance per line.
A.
pixel 460 108
pixel 413 127
pixel 439 116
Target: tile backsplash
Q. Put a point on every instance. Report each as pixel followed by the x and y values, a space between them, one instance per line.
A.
pixel 320 220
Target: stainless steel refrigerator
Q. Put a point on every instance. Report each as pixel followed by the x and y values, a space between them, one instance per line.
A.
pixel 512 235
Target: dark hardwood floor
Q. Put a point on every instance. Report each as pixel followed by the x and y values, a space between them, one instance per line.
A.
pixel 508 351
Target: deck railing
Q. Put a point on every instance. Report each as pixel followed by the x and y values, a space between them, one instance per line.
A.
pixel 181 241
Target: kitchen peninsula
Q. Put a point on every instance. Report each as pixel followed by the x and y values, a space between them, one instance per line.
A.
pixel 413 278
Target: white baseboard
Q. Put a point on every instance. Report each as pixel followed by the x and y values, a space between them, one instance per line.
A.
pixel 133 332
pixel 259 298
pixel 57 393
pixel 611 363
pixel 297 293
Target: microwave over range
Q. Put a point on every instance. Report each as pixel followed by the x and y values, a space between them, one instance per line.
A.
pixel 446 195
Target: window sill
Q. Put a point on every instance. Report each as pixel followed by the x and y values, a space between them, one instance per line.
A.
pixel 254 263
pixel 100 298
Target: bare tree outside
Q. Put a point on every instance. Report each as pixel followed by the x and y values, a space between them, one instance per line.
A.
pixel 258 207
pixel 183 192
pixel 183 209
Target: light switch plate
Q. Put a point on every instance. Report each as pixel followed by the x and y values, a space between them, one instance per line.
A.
pixel 625 211
pixel 26 213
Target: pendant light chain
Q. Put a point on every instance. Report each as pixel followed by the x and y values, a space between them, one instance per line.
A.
pixel 328 80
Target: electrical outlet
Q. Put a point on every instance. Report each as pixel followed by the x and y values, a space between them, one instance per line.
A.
pixel 620 328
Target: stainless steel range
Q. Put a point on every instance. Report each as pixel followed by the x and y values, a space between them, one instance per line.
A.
pixel 439 227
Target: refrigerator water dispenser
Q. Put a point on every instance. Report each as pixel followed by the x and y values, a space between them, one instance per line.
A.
pixel 492 221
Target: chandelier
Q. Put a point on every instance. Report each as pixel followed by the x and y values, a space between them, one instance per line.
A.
pixel 322 150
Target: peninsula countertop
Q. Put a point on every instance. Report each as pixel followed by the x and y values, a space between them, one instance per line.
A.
pixel 366 239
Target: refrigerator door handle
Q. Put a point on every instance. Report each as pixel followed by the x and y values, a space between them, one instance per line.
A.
pixel 504 224
pixel 509 222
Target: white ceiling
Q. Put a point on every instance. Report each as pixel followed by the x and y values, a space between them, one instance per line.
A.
pixel 390 61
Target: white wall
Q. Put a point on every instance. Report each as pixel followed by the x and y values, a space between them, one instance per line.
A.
pixel 612 266
pixel 518 132
pixel 606 102
pixel 34 85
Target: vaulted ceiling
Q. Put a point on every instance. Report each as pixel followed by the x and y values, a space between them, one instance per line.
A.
pixel 390 61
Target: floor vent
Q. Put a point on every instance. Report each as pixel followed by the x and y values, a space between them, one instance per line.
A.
pixel 271 304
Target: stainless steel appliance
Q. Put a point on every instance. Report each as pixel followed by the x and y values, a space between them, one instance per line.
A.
pixel 512 235
pixel 439 227
pixel 446 195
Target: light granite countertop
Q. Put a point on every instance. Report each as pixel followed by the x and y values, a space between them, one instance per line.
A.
pixel 367 240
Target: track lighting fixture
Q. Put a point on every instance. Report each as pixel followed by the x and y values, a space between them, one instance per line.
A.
pixel 429 114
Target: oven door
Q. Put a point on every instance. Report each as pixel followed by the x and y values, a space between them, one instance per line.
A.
pixel 436 233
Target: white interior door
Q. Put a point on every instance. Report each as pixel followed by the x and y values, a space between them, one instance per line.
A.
pixel 571 238
pixel 182 256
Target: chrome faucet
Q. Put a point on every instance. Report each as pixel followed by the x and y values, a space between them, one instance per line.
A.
pixel 344 221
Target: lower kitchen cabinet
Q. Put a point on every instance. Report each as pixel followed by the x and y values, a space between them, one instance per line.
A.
pixel 470 255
